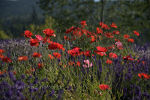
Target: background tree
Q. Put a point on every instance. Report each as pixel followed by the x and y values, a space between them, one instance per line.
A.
pixel 68 12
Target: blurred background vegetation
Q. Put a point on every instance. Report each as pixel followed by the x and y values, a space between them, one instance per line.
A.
pixel 36 15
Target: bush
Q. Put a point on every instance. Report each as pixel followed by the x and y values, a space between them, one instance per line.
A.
pixel 3 35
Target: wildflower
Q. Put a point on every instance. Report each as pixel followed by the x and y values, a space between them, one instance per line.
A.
pixel 104 26
pixel 113 55
pixel 87 64
pixel 108 61
pixel 119 45
pixel 136 33
pixel 131 40
pixel 144 75
pixel 2 51
pixel 50 56
pixel 98 30
pixel 113 25
pixel 22 58
pixel 40 65
pixel 101 49
pixel 100 53
pixel 35 54
pixel 109 35
pixel 34 42
pixel 83 23
pixel 74 52
pixel 70 29
pixel 39 37
pixel 66 38
pixel 28 34
pixel 93 39
pixel 127 58
pixel 54 46
pixel 116 32
pixel 56 55
pixel 78 63
pixel 6 59
pixel 104 87
pixel 111 47
pixel 86 53
pixel 1 56
pixel 48 32
pixel 126 36
pixel 2 72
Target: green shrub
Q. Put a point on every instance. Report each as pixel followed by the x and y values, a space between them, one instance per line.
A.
pixel 3 35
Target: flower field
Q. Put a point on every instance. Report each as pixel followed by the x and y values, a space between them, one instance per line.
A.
pixel 84 64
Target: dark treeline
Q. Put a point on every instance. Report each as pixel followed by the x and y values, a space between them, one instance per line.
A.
pixel 129 15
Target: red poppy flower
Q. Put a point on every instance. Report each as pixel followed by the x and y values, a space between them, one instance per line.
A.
pixel 56 55
pixel 48 32
pixel 113 55
pixel 110 47
pixel 74 52
pixel 78 63
pixel 109 35
pixel 22 58
pixel 40 65
pixel 2 51
pixel 113 25
pixel 101 49
pixel 54 46
pixel 104 26
pixel 50 56
pixel 136 33
pixel 128 58
pixel 116 32
pixel 39 37
pixel 6 59
pixel 34 42
pixel 66 38
pixel 126 36
pixel 28 34
pixel 108 61
pixel 83 23
pixel 70 29
pixel 104 87
pixel 1 56
pixel 144 75
pixel 131 40
pixel 35 54
pixel 86 53
pixel 98 30
pixel 100 53
pixel 2 72
pixel 93 39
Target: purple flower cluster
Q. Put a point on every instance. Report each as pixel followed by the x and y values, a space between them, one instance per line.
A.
pixel 26 88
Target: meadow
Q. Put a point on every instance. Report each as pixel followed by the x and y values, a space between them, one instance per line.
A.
pixel 84 64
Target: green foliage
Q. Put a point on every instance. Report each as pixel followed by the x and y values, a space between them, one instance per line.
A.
pixel 3 35
pixel 67 12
